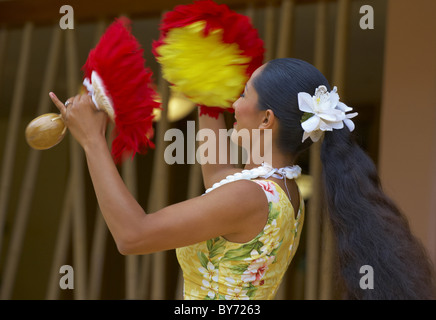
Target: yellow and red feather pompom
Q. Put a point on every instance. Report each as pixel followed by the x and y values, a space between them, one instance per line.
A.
pixel 208 52
pixel 118 60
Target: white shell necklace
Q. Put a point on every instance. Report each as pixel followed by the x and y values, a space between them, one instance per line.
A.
pixel 264 171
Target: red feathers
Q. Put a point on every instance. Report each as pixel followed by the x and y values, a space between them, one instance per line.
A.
pixel 118 59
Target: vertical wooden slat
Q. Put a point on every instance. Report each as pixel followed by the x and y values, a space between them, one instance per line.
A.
pixel 62 242
pixel 14 122
pixel 131 261
pixel 33 160
pixel 3 45
pixel 314 209
pixel 341 42
pixel 249 11
pixel 195 188
pixel 159 193
pixel 326 284
pixel 283 50
pixel 144 277
pixel 97 255
pixel 269 31
pixel 8 163
pixel 153 266
pixel 321 36
pixel 79 226
pixel 284 41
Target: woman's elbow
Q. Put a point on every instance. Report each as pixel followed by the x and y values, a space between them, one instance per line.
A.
pixel 124 249
pixel 130 246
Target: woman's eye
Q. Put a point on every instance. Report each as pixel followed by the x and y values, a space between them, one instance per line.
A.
pixel 242 95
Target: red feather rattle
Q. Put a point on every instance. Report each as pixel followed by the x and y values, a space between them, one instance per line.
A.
pixel 208 52
pixel 120 85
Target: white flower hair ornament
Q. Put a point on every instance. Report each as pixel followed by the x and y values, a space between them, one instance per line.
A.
pixel 323 112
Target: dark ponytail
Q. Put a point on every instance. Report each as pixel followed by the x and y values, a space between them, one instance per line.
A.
pixel 368 227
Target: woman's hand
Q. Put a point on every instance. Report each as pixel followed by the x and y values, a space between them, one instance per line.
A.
pixel 86 123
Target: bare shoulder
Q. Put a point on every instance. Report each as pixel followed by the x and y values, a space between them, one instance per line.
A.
pixel 244 204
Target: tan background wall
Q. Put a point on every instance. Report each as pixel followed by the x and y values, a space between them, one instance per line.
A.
pixel 407 162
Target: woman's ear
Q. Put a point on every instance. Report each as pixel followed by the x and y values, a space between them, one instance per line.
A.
pixel 268 120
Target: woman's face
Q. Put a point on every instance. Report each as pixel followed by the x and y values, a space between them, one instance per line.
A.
pixel 247 114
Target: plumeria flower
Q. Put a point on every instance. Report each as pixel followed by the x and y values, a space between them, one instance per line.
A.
pixel 270 237
pixel 210 287
pixel 323 112
pixel 210 273
pixel 236 293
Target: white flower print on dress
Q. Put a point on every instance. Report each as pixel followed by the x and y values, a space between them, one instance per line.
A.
pixel 211 273
pixel 211 287
pixel 237 293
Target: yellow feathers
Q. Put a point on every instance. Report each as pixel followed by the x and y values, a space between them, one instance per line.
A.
pixel 204 68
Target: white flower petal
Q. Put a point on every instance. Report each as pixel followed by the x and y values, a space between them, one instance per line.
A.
pixel 305 136
pixel 332 116
pixel 351 115
pixel 305 102
pixel 334 99
pixel 316 135
pixel 202 270
pixel 254 253
pixel 343 107
pixel 349 124
pixel 230 280
pixel 330 125
pixel 311 124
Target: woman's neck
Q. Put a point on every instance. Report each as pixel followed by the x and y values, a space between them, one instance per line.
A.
pixel 278 159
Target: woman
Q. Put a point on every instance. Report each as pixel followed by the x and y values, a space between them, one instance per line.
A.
pixel 237 240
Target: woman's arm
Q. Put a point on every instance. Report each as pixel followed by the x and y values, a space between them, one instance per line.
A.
pixel 215 172
pixel 239 208
pixel 234 209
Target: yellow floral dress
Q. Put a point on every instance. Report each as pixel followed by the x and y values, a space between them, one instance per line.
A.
pixel 221 269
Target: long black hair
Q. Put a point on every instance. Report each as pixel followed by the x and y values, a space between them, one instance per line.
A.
pixel 368 227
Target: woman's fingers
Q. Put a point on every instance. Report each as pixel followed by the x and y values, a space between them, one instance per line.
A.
pixel 58 104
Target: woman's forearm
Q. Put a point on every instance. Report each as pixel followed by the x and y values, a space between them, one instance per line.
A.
pixel 214 172
pixel 120 209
